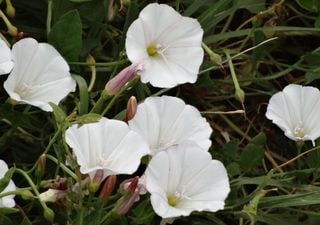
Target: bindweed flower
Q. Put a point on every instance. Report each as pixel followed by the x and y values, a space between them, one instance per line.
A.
pixel 184 179
pixel 168 44
pixel 296 111
pixel 40 75
pixel 166 121
pixel 106 148
pixel 6 63
pixel 6 201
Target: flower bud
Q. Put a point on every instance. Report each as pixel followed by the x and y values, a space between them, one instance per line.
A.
pixel 41 166
pixel 48 214
pixel 26 195
pixel 121 79
pixel 12 30
pixel 10 10
pixel 131 190
pixel 95 183
pixel 108 187
pixel 131 108
pixel 52 195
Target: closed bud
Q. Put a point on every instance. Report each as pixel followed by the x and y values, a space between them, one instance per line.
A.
pixel 94 184
pixel 26 195
pixel 48 214
pixel 131 108
pixel 121 79
pixel 108 187
pixel 41 166
pixel 10 10
pixel 131 190
pixel 12 30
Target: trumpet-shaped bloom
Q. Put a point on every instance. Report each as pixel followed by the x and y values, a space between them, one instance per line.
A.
pixel 184 179
pixel 168 44
pixel 296 111
pixel 108 146
pixel 8 200
pixel 40 75
pixel 6 63
pixel 166 121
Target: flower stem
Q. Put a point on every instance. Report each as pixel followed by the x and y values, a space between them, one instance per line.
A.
pixel 52 141
pixel 49 16
pixel 129 85
pixel 33 186
pixel 103 97
pixel 66 169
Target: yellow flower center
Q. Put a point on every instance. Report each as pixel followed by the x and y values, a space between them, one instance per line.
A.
pixel 172 201
pixel 152 50
pixel 299 131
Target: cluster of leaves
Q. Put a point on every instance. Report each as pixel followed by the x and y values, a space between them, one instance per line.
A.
pixel 271 44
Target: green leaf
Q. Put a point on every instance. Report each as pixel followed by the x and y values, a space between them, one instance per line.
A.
pixel 6 211
pixel 259 139
pixel 283 201
pixel 311 76
pixel 6 179
pixel 251 156
pixel 84 96
pixel 253 6
pixel 310 5
pixel 66 35
pixel 143 213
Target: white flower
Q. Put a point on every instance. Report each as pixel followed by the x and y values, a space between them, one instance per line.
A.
pixel 40 75
pixel 8 200
pixel 166 121
pixel 6 63
pixel 168 44
pixel 184 179
pixel 108 146
pixel 296 111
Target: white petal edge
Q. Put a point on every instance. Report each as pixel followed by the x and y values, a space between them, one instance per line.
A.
pixel 6 63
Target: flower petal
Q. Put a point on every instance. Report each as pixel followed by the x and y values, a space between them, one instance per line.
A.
pixel 7 201
pixel 109 145
pixel 166 121
pixel 40 75
pixel 190 175
pixel 6 63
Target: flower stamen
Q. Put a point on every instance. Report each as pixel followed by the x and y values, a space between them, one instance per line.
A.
pixel 299 131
